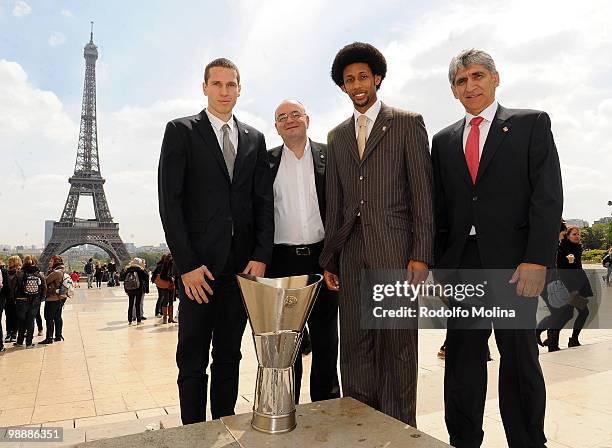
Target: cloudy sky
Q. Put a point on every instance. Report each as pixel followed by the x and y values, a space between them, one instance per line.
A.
pixel 551 55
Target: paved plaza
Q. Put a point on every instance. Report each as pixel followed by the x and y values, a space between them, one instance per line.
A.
pixel 108 379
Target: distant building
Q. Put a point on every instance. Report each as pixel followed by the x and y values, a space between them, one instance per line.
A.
pixel 580 223
pixel 48 230
pixel 604 220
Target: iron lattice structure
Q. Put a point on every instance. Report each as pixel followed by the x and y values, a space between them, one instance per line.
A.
pixel 87 180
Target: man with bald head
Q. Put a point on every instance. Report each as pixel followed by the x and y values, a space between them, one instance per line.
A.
pixel 298 169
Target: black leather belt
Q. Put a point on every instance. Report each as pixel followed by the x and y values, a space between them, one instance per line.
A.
pixel 302 250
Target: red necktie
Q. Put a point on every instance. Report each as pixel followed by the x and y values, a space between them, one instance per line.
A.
pixel 472 147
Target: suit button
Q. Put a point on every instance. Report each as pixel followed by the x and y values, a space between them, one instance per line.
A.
pixel 474 198
pixel 360 177
pixel 362 201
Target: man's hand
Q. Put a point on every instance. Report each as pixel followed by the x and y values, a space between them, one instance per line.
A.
pixel 256 268
pixel 332 281
pixel 195 284
pixel 417 272
pixel 530 279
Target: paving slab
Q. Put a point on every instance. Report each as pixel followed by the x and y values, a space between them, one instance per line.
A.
pixel 211 434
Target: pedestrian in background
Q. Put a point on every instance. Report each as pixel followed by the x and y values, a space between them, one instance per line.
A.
pixel 29 289
pixel 14 265
pixel 135 284
pixel 54 301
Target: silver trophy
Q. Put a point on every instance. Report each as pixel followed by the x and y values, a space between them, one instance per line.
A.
pixel 278 309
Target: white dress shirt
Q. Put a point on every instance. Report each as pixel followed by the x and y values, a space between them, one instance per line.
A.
pixel 297 220
pixel 217 125
pixel 488 114
pixel 370 114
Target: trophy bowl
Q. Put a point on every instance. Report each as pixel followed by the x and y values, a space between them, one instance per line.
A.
pixel 278 309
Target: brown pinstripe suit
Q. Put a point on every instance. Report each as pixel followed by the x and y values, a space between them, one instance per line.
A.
pixel 391 190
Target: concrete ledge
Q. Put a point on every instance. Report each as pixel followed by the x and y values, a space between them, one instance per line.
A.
pixel 343 422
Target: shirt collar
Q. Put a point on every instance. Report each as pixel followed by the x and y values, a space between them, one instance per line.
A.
pixel 307 150
pixel 371 113
pixel 217 123
pixel 488 114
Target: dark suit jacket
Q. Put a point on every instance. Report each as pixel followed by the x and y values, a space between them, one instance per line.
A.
pixel 319 154
pixel 391 188
pixel 517 201
pixel 199 205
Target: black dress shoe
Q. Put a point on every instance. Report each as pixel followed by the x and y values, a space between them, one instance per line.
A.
pixel 46 341
pixel 573 342
pixel 60 339
pixel 32 345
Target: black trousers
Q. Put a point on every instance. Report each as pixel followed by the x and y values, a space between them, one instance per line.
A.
pixel 26 314
pixel 522 392
pixel 220 323
pixel 11 317
pixel 53 318
pixel 322 322
pixel 134 297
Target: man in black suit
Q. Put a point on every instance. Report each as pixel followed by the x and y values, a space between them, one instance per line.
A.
pixel 498 202
pixel 216 207
pixel 298 170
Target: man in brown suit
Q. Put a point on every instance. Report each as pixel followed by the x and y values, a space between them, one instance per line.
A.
pixel 379 216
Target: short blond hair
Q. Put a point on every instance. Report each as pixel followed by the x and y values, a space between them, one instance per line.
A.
pixel 14 263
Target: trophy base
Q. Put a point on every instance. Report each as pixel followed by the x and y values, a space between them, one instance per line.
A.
pixel 277 424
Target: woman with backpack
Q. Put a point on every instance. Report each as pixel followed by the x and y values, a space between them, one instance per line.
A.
pixel 162 277
pixel 29 289
pixel 55 300
pixel 136 284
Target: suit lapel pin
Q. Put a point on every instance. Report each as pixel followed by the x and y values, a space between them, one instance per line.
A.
pixel 246 131
pixel 505 129
pixel 384 128
pixel 322 156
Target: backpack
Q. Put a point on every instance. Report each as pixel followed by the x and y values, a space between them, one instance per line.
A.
pixel 66 288
pixel 131 282
pixel 31 285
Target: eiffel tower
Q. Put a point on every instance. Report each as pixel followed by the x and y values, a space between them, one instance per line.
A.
pixel 100 231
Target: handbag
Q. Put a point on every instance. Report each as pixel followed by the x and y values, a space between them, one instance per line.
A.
pixel 163 284
pixel 558 295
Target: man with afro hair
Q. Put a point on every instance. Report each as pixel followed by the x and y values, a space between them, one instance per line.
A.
pixel 379 216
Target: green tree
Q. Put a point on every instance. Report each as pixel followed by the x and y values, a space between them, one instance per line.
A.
pixel 594 237
pixel 151 258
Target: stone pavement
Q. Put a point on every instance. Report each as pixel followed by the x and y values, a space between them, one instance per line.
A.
pixel 109 379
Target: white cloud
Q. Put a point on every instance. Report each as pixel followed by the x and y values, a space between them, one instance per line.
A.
pixel 56 39
pixel 549 58
pixel 21 9
pixel 38 152
pixel 66 13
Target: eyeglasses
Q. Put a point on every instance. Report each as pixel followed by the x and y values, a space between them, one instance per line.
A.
pixel 296 115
